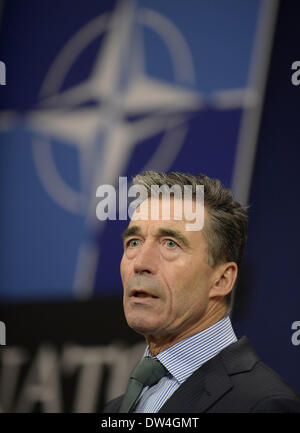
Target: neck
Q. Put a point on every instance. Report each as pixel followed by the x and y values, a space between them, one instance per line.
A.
pixel 215 311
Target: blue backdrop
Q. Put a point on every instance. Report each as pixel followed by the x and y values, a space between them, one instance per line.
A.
pixel 100 90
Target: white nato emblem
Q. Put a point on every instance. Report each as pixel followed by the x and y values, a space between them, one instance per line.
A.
pixel 118 83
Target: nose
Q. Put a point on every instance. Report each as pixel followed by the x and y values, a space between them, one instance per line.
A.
pixel 146 260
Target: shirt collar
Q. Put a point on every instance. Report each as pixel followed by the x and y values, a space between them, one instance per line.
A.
pixel 186 356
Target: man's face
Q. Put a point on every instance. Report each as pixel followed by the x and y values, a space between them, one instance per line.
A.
pixel 165 275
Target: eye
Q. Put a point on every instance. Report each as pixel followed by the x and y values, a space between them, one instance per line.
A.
pixel 170 243
pixel 132 243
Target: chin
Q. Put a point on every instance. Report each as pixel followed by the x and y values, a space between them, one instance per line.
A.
pixel 141 326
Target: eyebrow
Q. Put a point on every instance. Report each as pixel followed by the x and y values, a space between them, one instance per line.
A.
pixel 130 231
pixel 176 234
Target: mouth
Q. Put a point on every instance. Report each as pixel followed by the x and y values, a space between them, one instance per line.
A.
pixel 141 294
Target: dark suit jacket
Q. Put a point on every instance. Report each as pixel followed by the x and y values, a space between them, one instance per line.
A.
pixel 235 380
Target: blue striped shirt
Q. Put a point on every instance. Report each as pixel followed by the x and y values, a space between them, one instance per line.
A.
pixel 182 359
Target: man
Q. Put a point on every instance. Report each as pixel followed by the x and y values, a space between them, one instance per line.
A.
pixel 177 288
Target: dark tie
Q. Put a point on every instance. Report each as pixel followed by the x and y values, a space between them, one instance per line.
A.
pixel 148 372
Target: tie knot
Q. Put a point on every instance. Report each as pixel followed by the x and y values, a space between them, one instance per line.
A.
pixel 149 371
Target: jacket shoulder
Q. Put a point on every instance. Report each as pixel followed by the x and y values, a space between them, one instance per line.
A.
pixel 113 406
pixel 256 387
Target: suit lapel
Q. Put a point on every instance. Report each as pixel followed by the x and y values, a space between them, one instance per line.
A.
pixel 200 391
pixel 211 381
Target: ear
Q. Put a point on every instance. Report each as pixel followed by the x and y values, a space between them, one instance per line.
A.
pixel 224 279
